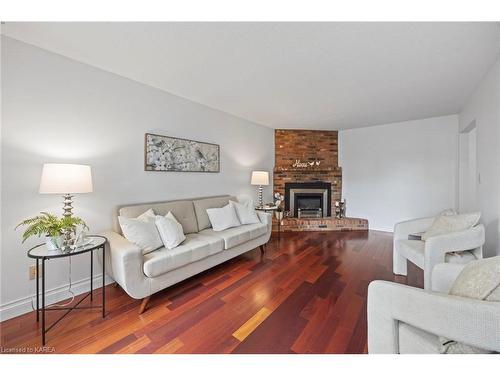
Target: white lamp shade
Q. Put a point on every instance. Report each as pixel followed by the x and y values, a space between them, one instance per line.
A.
pixel 260 178
pixel 65 179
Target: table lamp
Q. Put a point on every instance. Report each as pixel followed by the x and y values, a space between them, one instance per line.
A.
pixel 260 178
pixel 66 179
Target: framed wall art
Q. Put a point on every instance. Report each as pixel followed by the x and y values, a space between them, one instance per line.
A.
pixel 170 154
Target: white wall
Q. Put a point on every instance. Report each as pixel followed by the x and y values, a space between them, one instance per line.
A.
pixel 399 171
pixel 59 110
pixel 483 108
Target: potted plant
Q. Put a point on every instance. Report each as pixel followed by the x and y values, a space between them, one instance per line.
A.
pixel 51 226
pixel 278 201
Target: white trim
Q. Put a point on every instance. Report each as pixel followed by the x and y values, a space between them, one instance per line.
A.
pixel 23 305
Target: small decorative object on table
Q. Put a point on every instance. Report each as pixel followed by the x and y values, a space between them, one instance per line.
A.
pixel 53 228
pixel 278 202
pixel 279 213
pixel 340 209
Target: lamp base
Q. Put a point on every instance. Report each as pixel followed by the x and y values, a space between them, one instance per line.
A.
pixel 68 205
pixel 261 204
pixel 67 212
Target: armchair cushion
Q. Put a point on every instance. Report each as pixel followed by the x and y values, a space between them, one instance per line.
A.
pixel 479 280
pixel 451 223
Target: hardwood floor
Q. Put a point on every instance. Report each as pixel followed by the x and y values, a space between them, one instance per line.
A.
pixel 306 294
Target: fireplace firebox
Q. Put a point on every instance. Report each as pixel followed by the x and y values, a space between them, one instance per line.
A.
pixel 309 204
pixel 308 199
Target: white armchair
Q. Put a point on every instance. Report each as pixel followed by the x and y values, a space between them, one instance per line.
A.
pixel 407 320
pixel 458 247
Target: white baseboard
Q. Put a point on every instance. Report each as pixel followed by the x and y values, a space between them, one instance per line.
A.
pixel 23 305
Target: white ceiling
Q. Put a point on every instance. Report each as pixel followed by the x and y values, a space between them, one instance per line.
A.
pixel 290 75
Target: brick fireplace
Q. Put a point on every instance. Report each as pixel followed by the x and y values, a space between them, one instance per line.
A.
pixel 307 173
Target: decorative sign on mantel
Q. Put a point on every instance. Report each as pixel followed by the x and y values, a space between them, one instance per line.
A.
pixel 306 164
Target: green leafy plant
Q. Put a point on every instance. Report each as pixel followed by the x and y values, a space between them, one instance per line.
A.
pixel 49 224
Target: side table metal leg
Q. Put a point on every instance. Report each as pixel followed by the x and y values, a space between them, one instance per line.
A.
pixel 91 274
pixel 37 291
pixel 43 301
pixel 103 282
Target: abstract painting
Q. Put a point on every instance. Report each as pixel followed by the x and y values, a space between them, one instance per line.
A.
pixel 169 154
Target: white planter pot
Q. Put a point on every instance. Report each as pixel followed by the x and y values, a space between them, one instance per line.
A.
pixel 54 242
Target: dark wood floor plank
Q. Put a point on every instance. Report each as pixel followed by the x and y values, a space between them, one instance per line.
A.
pixel 278 332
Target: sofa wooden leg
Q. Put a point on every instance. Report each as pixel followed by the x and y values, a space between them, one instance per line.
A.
pixel 262 249
pixel 144 303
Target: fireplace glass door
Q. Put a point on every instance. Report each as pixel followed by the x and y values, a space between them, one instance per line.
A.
pixel 309 205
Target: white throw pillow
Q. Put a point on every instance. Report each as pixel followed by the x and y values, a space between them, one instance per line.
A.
pixel 246 212
pixel 451 223
pixel 170 230
pixel 147 216
pixel 141 231
pixel 223 218
pixel 170 215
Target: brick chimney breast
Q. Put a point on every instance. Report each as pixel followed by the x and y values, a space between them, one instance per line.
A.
pixel 307 156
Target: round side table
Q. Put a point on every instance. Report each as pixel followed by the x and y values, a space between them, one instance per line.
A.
pixel 42 253
pixel 272 210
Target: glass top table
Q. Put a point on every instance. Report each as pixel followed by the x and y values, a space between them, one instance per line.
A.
pixel 89 243
pixel 42 254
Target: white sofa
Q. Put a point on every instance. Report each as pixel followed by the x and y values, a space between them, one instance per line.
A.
pixel 142 275
pixel 458 247
pixel 407 320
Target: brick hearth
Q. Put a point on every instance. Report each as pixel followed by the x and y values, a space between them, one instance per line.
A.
pixel 293 224
pixel 310 156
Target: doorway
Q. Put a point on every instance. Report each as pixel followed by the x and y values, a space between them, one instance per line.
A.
pixel 468 176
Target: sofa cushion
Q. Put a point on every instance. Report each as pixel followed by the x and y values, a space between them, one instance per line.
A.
pixel 414 251
pixel 182 210
pixel 236 236
pixel 201 206
pixel 194 248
